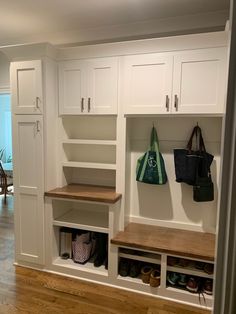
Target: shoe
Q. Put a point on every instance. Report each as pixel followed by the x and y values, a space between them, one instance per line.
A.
pixel 183 262
pixel 172 261
pixel 182 281
pixel 135 269
pixel 208 286
pixel 146 273
pixel 172 278
pixel 199 265
pixel 209 268
pixel 101 249
pixel 155 278
pixel 124 267
pixel 192 285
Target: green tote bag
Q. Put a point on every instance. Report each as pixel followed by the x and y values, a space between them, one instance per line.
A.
pixel 151 167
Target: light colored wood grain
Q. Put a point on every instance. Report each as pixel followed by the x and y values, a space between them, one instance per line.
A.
pixel 191 244
pixel 92 193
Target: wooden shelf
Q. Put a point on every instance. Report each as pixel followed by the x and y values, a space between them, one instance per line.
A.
pixel 92 165
pixel 196 245
pixel 89 142
pixel 85 192
pixel 189 271
pixel 148 257
pixel 86 220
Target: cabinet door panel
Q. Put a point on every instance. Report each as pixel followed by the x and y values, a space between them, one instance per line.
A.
pixel 103 86
pixel 26 84
pixel 72 87
pixel 28 187
pixel 147 83
pixel 199 81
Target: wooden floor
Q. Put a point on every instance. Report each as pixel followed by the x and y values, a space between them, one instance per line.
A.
pixel 29 291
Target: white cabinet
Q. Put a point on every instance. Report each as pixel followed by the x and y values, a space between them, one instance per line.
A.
pixel 199 81
pixel 26 87
pixel 182 82
pixel 147 83
pixel 88 86
pixel 28 188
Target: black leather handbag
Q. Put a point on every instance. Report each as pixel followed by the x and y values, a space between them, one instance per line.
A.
pixel 203 190
pixel 191 163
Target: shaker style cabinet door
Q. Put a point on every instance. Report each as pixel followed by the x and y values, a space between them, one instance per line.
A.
pixel 102 92
pixel 72 87
pixel 26 85
pixel 147 83
pixel 199 81
pixel 28 188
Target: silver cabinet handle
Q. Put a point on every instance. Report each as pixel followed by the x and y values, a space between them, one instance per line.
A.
pixel 38 126
pixel 37 102
pixel 176 103
pixel 89 104
pixel 167 103
pixel 82 104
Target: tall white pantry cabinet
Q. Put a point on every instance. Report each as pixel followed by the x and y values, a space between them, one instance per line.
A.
pixel 81 122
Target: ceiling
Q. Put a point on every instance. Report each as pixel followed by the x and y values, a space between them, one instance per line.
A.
pixel 83 21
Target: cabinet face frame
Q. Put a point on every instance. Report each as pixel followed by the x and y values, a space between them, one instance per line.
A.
pixel 29 187
pixel 27 88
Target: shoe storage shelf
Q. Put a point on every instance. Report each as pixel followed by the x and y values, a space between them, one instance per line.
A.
pixel 88 149
pixel 81 209
pixel 185 260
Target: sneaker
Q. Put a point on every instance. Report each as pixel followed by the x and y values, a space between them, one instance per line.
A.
pixel 155 278
pixel 172 278
pixel 182 281
pixel 199 265
pixel 192 285
pixel 208 286
pixel 209 268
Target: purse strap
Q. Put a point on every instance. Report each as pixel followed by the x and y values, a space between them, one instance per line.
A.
pixel 200 142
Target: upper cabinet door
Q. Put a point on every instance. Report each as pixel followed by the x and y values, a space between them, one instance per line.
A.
pixel 72 87
pixel 102 93
pixel 199 81
pixel 147 83
pixel 26 85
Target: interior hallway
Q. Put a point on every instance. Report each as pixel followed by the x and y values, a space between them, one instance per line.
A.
pixel 28 291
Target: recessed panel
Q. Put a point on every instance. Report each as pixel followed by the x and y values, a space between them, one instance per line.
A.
pixel 26 87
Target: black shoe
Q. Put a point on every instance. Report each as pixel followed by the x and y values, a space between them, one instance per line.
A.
pixel 124 267
pixel 135 269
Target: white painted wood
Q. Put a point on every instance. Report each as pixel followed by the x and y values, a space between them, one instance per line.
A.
pixel 147 83
pixel 76 164
pixel 28 188
pixel 102 95
pixel 86 220
pixel 148 257
pixel 88 86
pixel 199 81
pixel 26 86
pixel 189 271
pixel 88 142
pixel 72 87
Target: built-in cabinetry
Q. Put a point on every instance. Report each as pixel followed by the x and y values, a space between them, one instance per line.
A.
pixel 88 86
pixel 28 155
pixel 182 82
pixel 106 109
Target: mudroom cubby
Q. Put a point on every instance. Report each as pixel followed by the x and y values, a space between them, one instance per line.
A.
pixel 171 204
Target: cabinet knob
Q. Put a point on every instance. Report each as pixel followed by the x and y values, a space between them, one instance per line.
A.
pixel 167 103
pixel 176 103
pixel 89 104
pixel 82 104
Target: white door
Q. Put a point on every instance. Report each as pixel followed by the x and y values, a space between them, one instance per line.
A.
pixel 72 87
pixel 147 83
pixel 28 176
pixel 102 92
pixel 26 84
pixel 199 81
